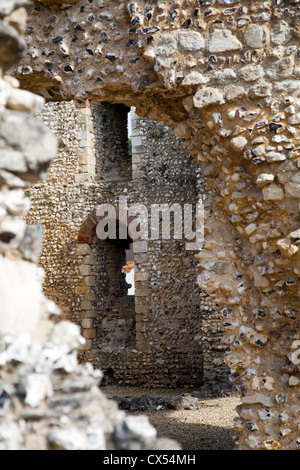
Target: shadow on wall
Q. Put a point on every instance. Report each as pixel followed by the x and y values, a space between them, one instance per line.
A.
pixel 115 294
pixel 128 270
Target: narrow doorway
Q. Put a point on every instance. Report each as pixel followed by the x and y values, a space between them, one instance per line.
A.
pixel 128 270
pixel 112 130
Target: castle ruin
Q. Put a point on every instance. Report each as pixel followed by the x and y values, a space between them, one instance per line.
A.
pixel 224 74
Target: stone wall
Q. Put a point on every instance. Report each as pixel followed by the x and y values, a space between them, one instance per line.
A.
pixel 225 75
pixel 167 334
pixel 48 401
pixel 111 142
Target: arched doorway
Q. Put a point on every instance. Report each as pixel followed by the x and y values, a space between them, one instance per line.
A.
pixel 113 307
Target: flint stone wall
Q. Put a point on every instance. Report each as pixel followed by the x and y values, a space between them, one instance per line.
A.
pixel 47 400
pixel 167 334
pixel 225 75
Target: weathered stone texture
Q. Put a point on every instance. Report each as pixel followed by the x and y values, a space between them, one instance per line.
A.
pixel 132 53
pixel 136 337
pixel 48 401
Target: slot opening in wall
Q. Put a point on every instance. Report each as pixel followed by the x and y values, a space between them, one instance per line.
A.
pixel 112 142
pixel 115 298
pixel 128 270
pixel 129 132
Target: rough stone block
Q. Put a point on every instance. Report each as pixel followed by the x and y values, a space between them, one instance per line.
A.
pixel 140 246
pixel 86 305
pixel 89 333
pixel 137 175
pixel 141 309
pixel 82 178
pixel 142 292
pixel 136 158
pixel 21 297
pixel 87 323
pixel 82 289
pixel 89 281
pixel 85 269
pixel 141 276
pixel 142 346
pixel 87 345
pixel 83 249
pixel 140 257
pixel 136 141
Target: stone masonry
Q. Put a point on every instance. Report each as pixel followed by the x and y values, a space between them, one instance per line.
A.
pixel 168 333
pixel 47 400
pixel 225 75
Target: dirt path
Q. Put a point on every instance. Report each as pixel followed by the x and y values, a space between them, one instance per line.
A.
pixel 210 427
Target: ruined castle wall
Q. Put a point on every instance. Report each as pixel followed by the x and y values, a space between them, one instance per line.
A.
pixel 225 74
pixel 111 145
pixel 157 156
pixel 48 401
pixel 141 339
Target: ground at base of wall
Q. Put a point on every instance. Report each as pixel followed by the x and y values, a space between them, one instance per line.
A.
pixel 197 422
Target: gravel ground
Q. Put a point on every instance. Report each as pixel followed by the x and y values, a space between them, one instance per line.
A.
pixel 208 428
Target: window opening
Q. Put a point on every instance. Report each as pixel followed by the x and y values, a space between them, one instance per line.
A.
pixel 128 270
pixel 113 154
pixel 129 132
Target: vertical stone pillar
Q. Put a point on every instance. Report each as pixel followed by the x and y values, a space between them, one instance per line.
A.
pixel 140 248
pixel 24 309
pixel 86 290
pixel 137 146
pixel 85 138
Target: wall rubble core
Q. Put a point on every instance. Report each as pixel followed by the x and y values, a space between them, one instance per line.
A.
pixel 225 75
pixel 134 340
pixel 47 400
